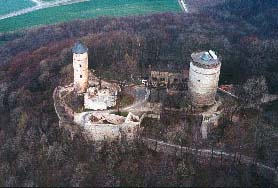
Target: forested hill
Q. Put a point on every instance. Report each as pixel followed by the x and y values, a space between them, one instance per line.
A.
pixel 262 14
pixel 248 8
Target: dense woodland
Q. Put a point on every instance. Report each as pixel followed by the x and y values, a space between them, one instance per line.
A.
pixel 34 151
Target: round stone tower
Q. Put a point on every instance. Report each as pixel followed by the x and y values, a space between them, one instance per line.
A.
pixel 203 78
pixel 80 67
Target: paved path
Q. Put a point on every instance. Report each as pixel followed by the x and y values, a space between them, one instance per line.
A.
pixel 183 5
pixel 40 5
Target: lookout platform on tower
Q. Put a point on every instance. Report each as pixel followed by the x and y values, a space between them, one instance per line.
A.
pixel 79 48
pixel 205 59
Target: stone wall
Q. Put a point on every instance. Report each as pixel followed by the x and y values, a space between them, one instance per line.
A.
pixel 102 126
pixel 109 132
pixel 64 113
pixel 220 157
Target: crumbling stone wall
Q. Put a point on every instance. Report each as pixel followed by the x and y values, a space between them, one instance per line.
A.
pixel 102 132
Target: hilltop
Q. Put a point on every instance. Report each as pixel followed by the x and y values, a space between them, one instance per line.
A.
pixel 35 151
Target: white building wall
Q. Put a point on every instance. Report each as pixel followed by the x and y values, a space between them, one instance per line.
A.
pixel 80 66
pixel 203 84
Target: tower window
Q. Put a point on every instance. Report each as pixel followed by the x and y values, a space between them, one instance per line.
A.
pixel 79 65
pixel 80 76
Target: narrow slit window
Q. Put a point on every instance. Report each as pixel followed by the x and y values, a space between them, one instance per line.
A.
pixel 80 76
pixel 79 65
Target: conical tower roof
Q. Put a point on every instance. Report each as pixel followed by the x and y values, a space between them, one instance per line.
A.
pixel 79 48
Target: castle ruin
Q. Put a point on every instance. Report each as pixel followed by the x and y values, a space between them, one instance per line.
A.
pixel 99 102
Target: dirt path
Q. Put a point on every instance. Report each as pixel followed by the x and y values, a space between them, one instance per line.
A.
pixel 38 2
pixel 40 5
pixel 183 5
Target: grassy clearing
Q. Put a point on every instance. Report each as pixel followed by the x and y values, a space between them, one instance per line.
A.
pixel 86 10
pixel 8 6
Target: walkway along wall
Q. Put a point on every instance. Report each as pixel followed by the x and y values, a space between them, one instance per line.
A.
pixel 64 117
pixel 200 154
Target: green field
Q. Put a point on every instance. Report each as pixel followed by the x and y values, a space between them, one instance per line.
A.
pixel 7 6
pixel 85 10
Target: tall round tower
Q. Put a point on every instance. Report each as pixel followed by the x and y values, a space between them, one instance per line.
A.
pixel 203 78
pixel 80 67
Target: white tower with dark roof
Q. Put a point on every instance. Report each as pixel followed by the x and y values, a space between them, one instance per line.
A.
pixel 80 67
pixel 203 78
